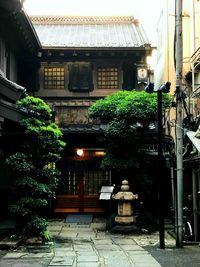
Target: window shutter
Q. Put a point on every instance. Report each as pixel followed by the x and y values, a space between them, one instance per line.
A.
pixel 128 77
pixel 80 77
pixel 85 77
pixel 74 77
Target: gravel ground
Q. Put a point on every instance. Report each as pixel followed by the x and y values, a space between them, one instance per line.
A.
pixel 177 257
pixel 171 256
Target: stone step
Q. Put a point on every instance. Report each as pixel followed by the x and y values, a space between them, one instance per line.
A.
pixel 3 233
pixel 10 242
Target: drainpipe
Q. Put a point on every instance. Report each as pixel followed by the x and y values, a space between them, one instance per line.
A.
pixel 194 26
pixel 160 170
pixel 173 188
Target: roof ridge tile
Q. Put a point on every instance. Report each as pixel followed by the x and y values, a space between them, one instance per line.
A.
pixel 47 19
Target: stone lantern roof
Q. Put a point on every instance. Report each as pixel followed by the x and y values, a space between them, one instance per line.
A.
pixel 125 195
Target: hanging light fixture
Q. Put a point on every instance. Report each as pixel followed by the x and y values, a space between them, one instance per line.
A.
pixel 80 152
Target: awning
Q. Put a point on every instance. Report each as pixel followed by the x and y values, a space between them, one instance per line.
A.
pixel 195 141
pixel 196 93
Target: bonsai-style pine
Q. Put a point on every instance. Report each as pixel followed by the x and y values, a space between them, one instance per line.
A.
pixel 34 167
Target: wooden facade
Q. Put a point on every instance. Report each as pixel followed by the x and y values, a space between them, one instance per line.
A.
pixel 84 59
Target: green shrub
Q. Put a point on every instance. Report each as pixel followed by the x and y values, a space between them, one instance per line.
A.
pixel 127 115
pixel 34 166
pixel 35 227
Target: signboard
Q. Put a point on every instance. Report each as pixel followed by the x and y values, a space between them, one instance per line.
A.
pixel 142 74
pixel 105 193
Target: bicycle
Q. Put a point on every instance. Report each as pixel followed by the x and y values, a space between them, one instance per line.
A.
pixel 188 234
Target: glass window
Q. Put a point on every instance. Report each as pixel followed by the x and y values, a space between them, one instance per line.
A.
pixel 54 78
pixel 107 78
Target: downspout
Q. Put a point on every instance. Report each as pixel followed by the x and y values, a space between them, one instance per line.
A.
pixel 168 79
pixel 194 49
pixel 194 25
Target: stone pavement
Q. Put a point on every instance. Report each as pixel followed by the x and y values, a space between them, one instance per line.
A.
pixel 83 246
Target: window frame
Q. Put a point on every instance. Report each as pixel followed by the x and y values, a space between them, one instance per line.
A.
pixel 108 78
pixel 55 86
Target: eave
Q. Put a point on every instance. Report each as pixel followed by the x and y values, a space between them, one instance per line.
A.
pixel 141 48
pixel 21 26
pixel 10 112
pixel 28 31
pixel 84 128
pixel 11 90
pixel 11 5
pixel 87 53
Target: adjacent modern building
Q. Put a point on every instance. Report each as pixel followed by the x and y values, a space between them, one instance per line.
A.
pixel 165 70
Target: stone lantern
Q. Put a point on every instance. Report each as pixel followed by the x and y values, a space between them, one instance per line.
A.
pixel 125 207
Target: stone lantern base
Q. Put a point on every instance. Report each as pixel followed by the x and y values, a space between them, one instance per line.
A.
pixel 125 229
pixel 125 220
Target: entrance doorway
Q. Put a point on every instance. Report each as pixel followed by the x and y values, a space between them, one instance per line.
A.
pixel 80 192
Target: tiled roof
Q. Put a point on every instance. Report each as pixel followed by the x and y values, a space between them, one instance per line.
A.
pixel 89 32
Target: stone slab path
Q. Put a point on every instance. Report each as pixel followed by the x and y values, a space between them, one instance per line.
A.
pixel 83 246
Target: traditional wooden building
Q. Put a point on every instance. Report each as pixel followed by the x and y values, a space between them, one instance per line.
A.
pixel 19 44
pixel 81 59
pixel 84 59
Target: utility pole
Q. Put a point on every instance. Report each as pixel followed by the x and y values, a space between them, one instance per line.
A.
pixel 179 128
pixel 165 88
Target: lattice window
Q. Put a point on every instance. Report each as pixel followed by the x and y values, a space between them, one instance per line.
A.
pixel 54 78
pixel 107 78
pixel 92 182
